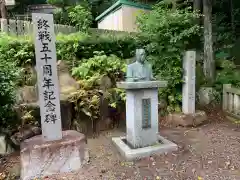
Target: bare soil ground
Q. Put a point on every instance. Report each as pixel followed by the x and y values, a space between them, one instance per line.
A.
pixel 209 152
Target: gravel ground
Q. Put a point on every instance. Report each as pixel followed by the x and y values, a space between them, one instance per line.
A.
pixel 210 152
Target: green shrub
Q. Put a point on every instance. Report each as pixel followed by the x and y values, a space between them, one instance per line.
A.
pixel 72 48
pixel 80 17
pixel 100 65
pixel 229 74
pixel 90 71
pixel 8 82
pixel 167 34
pixel 79 49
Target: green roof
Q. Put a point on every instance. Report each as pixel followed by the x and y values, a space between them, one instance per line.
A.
pixel 118 4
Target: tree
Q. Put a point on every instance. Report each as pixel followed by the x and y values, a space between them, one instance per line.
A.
pixel 197 6
pixel 3 9
pixel 209 62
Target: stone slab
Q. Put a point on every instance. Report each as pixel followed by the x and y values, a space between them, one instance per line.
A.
pixel 44 158
pixel 141 84
pixel 132 154
pixel 186 120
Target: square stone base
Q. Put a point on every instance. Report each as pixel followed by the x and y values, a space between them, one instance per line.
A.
pixel 131 154
pixel 40 158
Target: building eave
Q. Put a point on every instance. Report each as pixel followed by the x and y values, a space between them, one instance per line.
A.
pixel 120 3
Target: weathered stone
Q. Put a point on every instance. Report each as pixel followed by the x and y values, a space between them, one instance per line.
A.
pixel 66 82
pixel 186 120
pixel 66 114
pixel 33 108
pixel 30 75
pixel 105 121
pixel 5 147
pixel 40 158
pixel 15 171
pixel 25 133
pixel 26 94
pixel 206 95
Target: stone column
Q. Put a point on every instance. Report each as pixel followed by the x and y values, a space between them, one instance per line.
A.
pixel 188 99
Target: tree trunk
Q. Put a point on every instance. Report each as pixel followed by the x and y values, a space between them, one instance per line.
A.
pixel 232 16
pixel 209 63
pixel 3 9
pixel 197 5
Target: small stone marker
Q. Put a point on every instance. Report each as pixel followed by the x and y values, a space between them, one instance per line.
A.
pixel 48 86
pixel 189 65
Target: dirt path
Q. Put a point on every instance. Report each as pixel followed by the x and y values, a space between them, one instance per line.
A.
pixel 211 152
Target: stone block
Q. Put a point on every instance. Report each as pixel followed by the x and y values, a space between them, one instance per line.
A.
pixel 206 95
pixel 131 154
pixel 186 120
pixel 44 158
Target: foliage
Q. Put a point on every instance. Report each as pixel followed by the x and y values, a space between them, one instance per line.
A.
pixel 63 3
pixel 72 47
pixel 229 74
pixel 168 34
pixel 100 65
pixel 80 49
pixel 69 13
pixel 8 80
pixel 59 3
pixel 91 71
pixel 80 17
pixel 87 102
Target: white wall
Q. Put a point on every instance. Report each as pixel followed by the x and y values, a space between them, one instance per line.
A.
pixel 129 17
pixel 113 21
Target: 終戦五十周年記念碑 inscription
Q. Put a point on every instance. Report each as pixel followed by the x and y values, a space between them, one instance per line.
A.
pixel 146 113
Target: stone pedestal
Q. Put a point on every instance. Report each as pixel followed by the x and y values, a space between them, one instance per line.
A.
pixel 142 137
pixel 142 112
pixel 40 158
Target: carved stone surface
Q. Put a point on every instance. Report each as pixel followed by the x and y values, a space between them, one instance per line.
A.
pixel 146 113
pixel 189 66
pixel 40 158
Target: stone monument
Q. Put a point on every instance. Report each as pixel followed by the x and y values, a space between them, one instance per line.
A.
pixel 55 151
pixel 189 116
pixel 142 137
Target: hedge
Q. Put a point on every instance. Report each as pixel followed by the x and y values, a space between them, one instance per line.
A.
pixel 72 47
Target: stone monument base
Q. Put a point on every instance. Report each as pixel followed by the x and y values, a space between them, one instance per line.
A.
pixel 186 120
pixel 40 158
pixel 129 153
